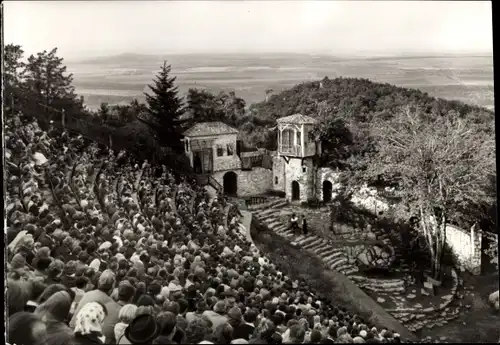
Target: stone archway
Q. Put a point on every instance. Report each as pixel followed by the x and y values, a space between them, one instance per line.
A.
pixel 327 191
pixel 295 191
pixel 230 183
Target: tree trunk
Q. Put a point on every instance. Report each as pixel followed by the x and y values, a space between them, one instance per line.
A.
pixel 434 232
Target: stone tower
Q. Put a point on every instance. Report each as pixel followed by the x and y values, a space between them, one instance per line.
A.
pixel 294 170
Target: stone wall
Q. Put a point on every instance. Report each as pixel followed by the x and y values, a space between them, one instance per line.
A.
pixel 466 247
pixel 368 199
pixel 294 171
pixel 327 174
pixel 226 162
pixel 278 174
pixel 318 220
pixel 251 182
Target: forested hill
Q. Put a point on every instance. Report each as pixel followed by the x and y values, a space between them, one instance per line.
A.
pixel 355 100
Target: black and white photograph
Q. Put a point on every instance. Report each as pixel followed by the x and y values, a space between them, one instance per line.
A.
pixel 249 172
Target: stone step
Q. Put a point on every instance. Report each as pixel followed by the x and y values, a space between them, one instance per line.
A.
pixel 313 243
pixel 307 240
pixel 321 249
pixel 269 216
pixel 286 233
pixel 300 238
pixel 330 255
pixel 337 262
pixel 280 228
pixel 268 204
pixel 374 281
pixel 314 247
pixel 274 224
pixel 324 249
pixel 344 267
pixel 265 212
pixel 382 288
pixel 351 270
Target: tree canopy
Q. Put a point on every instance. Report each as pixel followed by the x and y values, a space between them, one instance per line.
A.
pixel 165 107
pixel 440 166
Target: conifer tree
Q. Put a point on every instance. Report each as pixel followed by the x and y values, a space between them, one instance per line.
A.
pixel 165 107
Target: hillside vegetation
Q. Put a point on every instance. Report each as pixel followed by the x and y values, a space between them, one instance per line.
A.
pixel 357 102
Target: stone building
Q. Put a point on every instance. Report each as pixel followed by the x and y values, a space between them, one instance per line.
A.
pixel 213 150
pixel 294 166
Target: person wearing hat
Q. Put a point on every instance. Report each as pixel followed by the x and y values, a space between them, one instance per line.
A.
pixel 245 329
pixel 126 293
pixel 102 294
pixel 217 315
pixel 141 331
pixel 234 316
pixel 169 332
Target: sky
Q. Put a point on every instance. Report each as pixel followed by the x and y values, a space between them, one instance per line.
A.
pixel 99 28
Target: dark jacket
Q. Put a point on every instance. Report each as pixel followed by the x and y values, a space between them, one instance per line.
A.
pixel 58 333
pixel 243 331
pixel 87 339
pixel 111 319
pixel 163 340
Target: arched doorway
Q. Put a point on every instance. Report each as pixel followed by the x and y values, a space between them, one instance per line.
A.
pixel 295 191
pixel 197 163
pixel 327 191
pixel 230 183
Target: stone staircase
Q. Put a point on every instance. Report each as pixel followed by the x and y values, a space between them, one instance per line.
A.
pixel 333 257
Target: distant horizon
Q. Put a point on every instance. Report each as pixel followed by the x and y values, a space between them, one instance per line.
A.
pixel 86 29
pixel 361 55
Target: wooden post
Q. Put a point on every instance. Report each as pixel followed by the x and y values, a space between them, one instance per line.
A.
pixel 63 119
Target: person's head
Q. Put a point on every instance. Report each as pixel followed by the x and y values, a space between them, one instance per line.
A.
pixel 26 329
pixel 344 339
pixel 265 329
pixel 55 269
pixel 126 292
pixel 106 281
pixel 37 288
pixel 167 322
pixel 145 300
pixel 142 330
pixel 223 333
pixel 81 282
pixel 56 307
pixel 127 313
pixel 172 307
pixel 250 316
pixel 297 333
pixel 17 296
pixel 43 264
pixel 90 318
pixel 196 331
pixel 315 336
pixel 49 291
pixel 234 314
pixel 220 307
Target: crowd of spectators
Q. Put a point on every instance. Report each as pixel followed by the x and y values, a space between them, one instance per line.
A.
pixel 106 250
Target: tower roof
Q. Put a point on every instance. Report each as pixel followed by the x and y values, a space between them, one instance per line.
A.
pixel 209 128
pixel 298 119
